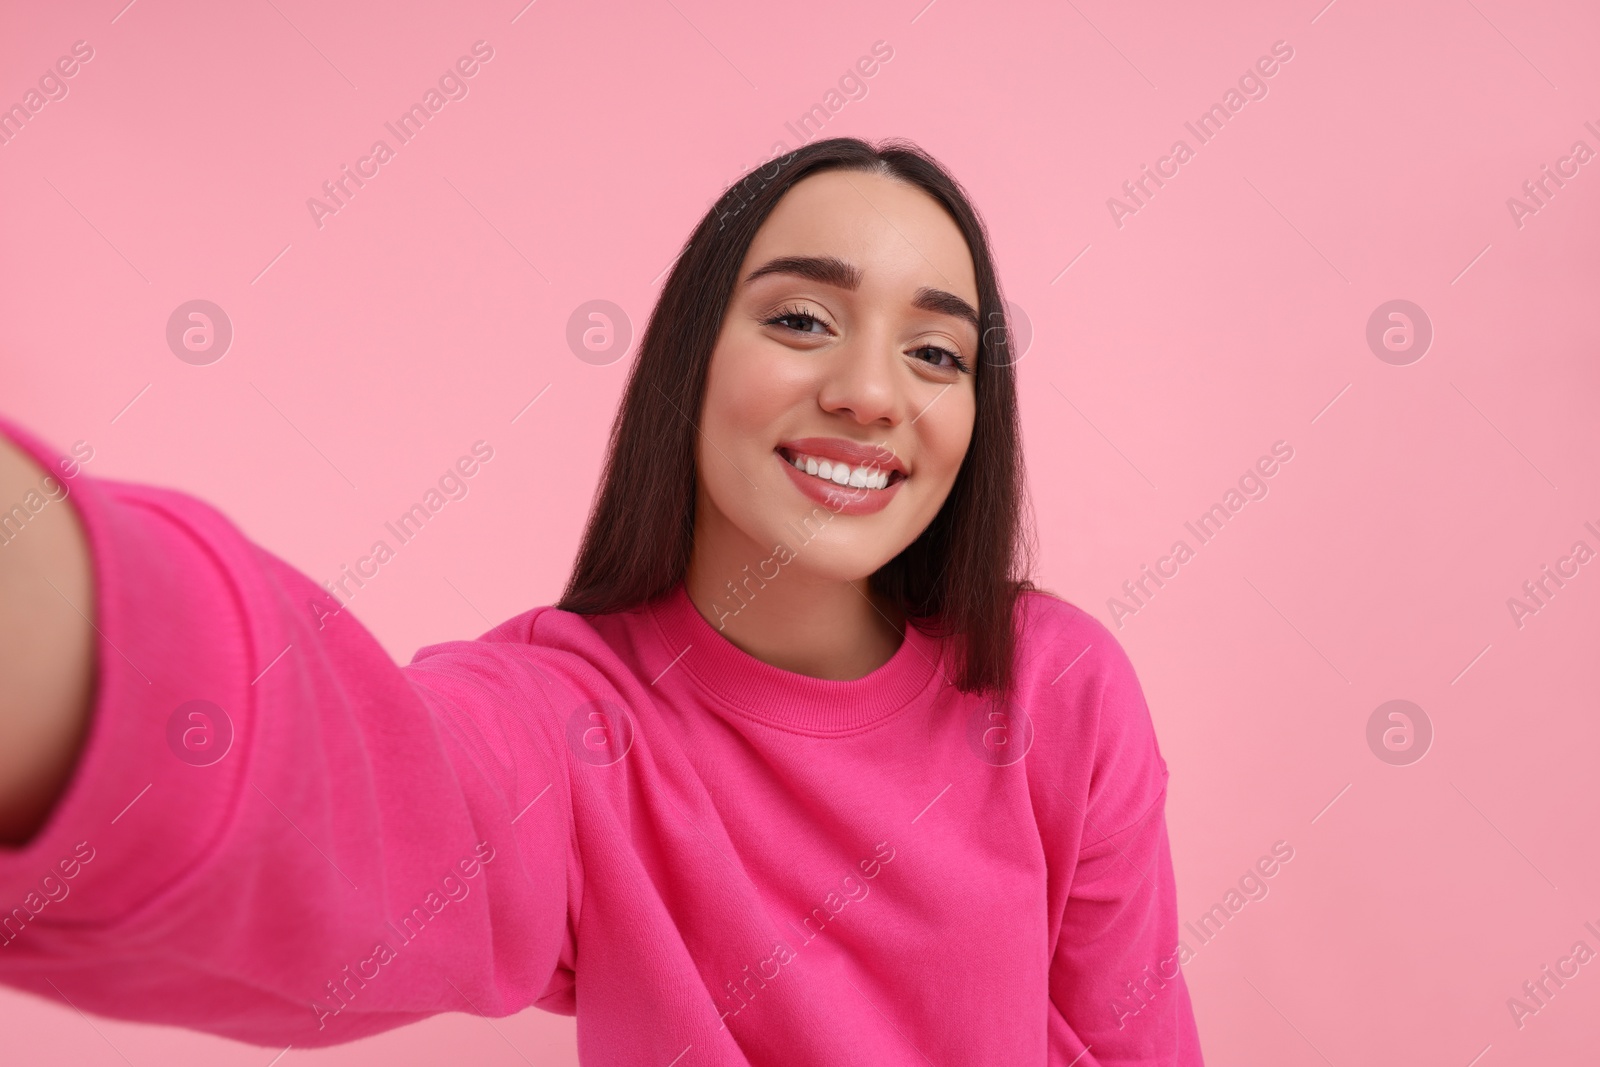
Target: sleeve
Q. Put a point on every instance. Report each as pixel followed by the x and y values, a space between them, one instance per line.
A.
pixel 274 832
pixel 1115 976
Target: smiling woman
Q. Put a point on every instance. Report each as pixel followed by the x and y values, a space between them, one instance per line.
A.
pixel 836 318
pixel 814 424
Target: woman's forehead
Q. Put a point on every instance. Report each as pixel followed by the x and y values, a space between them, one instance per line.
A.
pixel 890 231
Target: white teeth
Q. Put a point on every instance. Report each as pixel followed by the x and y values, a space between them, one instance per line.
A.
pixel 866 476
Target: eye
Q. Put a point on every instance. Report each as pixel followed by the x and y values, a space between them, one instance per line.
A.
pixel 934 355
pixel 789 315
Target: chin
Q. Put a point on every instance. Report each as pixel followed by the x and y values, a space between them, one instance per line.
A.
pixel 839 567
pixel 820 554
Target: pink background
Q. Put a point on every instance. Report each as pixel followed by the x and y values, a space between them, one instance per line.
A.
pixel 1230 312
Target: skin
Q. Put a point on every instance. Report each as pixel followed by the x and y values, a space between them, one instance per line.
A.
pixel 865 371
pixel 47 651
pixel 866 367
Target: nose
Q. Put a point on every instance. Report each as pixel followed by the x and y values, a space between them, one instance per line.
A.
pixel 862 380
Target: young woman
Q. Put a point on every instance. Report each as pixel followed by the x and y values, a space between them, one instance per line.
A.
pixel 800 770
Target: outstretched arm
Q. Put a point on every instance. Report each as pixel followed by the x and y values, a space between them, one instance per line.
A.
pixel 262 826
pixel 47 658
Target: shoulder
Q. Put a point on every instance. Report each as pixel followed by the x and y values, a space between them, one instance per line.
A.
pixel 519 687
pixel 1054 632
pixel 543 628
pixel 1094 735
pixel 518 657
pixel 559 658
pixel 1042 609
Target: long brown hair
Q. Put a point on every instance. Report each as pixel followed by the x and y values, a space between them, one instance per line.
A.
pixel 958 580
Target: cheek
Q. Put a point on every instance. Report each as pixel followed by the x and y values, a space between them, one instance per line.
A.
pixel 946 433
pixel 748 394
pixel 744 401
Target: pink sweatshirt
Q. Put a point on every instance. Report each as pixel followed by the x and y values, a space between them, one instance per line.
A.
pixel 277 834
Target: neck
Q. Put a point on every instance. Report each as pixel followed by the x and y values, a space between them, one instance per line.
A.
pixel 812 625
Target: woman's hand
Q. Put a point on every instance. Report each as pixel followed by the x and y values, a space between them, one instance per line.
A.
pixel 47 643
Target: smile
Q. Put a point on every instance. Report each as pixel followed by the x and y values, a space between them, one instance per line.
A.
pixel 864 476
pixel 864 487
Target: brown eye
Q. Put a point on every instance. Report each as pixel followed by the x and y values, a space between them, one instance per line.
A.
pixel 936 355
pixel 788 316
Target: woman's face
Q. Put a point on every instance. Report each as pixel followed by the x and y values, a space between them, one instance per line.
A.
pixel 849 348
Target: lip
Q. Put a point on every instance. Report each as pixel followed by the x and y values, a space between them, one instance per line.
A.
pixel 837 449
pixel 840 499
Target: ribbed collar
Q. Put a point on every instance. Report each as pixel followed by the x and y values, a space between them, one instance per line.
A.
pixel 797 702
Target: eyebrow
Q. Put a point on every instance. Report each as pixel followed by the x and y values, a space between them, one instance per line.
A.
pixel 831 270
